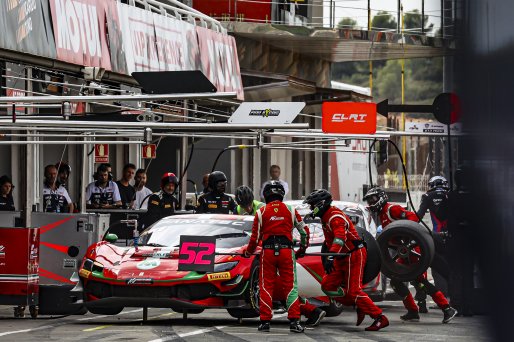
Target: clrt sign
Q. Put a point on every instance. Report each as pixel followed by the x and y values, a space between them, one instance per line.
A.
pixel 349 117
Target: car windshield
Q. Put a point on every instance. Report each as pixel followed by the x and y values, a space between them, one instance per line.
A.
pixel 228 233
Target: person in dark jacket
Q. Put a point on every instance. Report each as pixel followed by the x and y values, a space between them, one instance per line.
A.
pixel 6 199
pixel 164 202
pixel 216 201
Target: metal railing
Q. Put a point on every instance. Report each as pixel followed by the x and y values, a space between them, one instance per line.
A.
pixel 178 10
pixel 433 22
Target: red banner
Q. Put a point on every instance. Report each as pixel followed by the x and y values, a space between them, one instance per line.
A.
pixel 349 117
pixel 219 62
pixel 79 28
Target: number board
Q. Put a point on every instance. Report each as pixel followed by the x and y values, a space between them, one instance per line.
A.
pixel 197 253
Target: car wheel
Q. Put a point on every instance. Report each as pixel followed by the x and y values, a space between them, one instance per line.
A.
pixel 374 259
pixel 251 296
pixel 105 311
pixel 334 309
pixel 398 242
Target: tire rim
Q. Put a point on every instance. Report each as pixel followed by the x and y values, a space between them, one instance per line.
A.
pixel 405 251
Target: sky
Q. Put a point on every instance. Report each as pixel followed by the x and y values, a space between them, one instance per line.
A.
pixel 357 9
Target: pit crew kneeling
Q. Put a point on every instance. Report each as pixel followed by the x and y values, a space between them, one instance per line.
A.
pixel 343 279
pixel 274 224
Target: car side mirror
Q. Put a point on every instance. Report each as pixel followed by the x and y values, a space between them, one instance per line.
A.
pixel 111 238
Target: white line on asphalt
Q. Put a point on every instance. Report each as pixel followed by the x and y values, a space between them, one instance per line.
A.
pixel 26 330
pixel 103 316
pixel 64 323
pixel 191 333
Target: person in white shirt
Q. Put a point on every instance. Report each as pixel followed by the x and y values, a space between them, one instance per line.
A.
pixel 55 197
pixel 142 192
pixel 104 193
pixel 274 172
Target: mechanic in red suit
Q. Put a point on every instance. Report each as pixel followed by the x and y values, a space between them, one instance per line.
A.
pixel 387 213
pixel 274 224
pixel 313 314
pixel 343 279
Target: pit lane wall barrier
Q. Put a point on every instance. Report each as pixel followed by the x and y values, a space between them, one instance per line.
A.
pixel 118 38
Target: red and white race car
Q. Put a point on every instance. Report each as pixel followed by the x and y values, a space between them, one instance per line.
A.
pixel 114 277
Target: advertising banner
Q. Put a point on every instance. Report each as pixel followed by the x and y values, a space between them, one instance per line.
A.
pixel 79 29
pixel 349 117
pixel 219 62
pixel 26 27
pixel 432 127
pixel 278 113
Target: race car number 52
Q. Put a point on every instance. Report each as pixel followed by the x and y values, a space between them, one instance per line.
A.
pixel 197 253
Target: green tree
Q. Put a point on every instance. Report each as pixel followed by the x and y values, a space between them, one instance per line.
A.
pixel 347 23
pixel 383 20
pixel 412 22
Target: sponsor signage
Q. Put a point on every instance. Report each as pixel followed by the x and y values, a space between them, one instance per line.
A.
pixel 101 153
pixel 219 61
pixel 218 276
pixel 149 151
pixel 79 28
pixel 266 112
pixel 349 117
pixel 197 253
pixel 432 127
pixel 139 281
pixel 26 27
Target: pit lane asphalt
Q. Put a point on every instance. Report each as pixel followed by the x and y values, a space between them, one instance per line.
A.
pixel 217 325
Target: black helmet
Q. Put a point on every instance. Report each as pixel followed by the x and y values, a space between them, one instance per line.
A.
pixel 376 198
pixel 216 177
pixel 320 201
pixel 438 182
pixel 244 196
pixel 273 190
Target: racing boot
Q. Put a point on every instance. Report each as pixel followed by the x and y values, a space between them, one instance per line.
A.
pixel 360 317
pixel 264 326
pixel 315 318
pixel 422 305
pixel 449 314
pixel 380 323
pixel 295 326
pixel 410 316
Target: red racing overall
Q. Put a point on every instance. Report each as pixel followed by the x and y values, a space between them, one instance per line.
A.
pixel 345 282
pixel 274 224
pixel 392 212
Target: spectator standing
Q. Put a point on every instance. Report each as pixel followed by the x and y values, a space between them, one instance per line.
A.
pixel 63 173
pixel 142 192
pixel 274 172
pixel 103 193
pixel 205 183
pixel 127 191
pixel 55 196
pixel 6 199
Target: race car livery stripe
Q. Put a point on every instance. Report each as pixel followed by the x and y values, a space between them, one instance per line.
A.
pixel 190 276
pixel 60 248
pixel 47 274
pixel 53 225
pixel 311 272
pixel 292 296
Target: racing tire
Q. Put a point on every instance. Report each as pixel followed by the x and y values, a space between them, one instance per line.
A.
pixel 374 259
pixel 334 309
pixel 105 311
pixel 189 311
pixel 398 242
pixel 251 296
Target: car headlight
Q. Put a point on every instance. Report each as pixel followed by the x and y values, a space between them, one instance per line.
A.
pixel 225 266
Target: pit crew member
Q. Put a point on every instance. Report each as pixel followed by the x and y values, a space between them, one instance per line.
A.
pixel 164 202
pixel 387 212
pixel 343 279
pixel 246 204
pixel 273 224
pixel 216 201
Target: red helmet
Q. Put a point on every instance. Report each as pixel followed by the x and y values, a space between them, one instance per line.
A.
pixel 169 177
